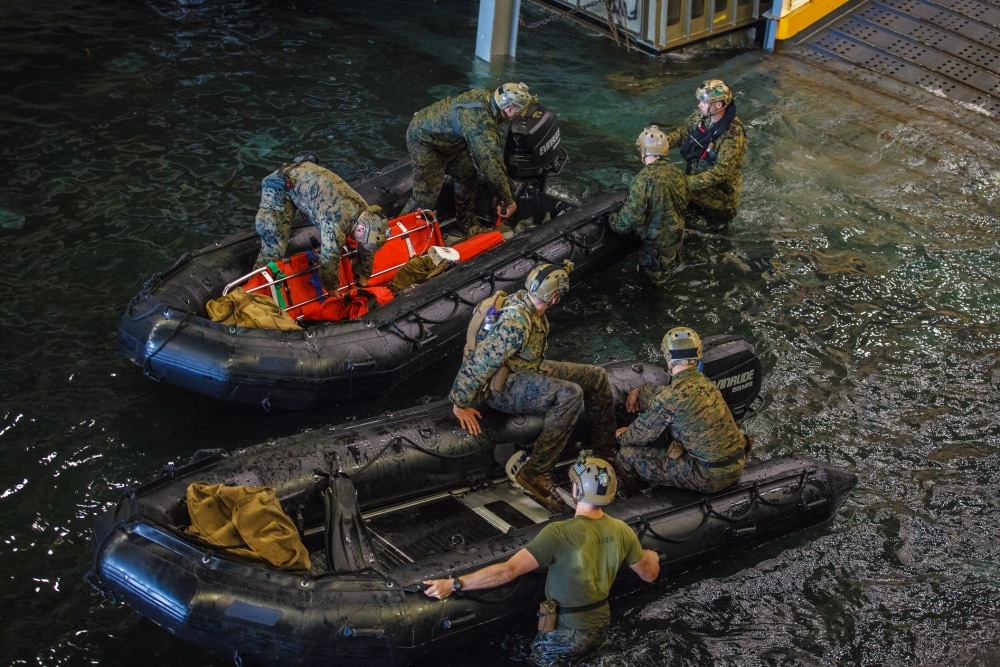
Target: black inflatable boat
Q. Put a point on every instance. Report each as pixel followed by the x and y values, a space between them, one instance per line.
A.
pixel 165 329
pixel 385 504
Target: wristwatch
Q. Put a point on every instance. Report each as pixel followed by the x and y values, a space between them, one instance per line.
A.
pixel 456 583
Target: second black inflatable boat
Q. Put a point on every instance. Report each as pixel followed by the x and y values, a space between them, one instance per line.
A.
pixel 384 504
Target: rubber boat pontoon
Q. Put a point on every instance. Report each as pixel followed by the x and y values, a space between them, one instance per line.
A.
pixel 384 504
pixel 165 329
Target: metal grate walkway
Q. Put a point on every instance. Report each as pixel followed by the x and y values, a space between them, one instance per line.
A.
pixel 950 48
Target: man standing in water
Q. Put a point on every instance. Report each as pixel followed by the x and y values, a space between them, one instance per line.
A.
pixel 713 143
pixel 654 209
pixel 583 555
pixel 455 135
pixel 329 203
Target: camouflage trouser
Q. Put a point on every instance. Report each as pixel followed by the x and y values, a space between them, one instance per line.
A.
pixel 274 224
pixel 654 465
pixel 430 167
pixel 715 218
pixel 564 646
pixel 561 391
pixel 658 266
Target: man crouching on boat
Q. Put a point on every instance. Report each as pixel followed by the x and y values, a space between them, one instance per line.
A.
pixel 583 555
pixel 509 365
pixel 330 204
pixel 707 451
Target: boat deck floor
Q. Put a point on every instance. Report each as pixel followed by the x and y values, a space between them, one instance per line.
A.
pixel 413 531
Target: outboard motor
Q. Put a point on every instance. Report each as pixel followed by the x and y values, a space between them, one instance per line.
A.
pixel 531 154
pixel 532 148
pixel 733 365
pixel 729 361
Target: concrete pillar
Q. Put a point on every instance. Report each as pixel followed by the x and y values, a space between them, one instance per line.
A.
pixel 497 32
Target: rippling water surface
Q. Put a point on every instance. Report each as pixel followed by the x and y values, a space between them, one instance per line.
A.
pixel 863 265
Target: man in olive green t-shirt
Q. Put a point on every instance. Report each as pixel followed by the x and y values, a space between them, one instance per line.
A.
pixel 583 556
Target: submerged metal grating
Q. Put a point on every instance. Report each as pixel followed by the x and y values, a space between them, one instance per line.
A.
pixel 424 530
pixel 948 48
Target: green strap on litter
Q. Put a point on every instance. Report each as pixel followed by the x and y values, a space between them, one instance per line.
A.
pixel 277 275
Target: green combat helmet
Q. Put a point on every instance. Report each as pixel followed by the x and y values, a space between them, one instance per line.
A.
pixel 714 90
pixel 595 480
pixel 512 95
pixel 682 344
pixel 547 280
pixel 371 229
pixel 652 141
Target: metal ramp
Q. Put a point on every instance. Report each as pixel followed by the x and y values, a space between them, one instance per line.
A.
pixel 949 48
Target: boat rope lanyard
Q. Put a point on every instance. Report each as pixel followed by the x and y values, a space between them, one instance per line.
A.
pixel 490 277
pixel 587 247
pixel 151 282
pixel 402 439
pixel 708 511
pixel 147 368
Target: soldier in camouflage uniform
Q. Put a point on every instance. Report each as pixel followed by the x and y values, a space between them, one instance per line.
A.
pixel 654 209
pixel 713 143
pixel 583 556
pixel 453 136
pixel 560 391
pixel 331 205
pixel 706 451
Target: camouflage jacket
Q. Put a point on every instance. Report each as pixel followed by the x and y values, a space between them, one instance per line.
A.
pixel 465 122
pixel 331 205
pixel 518 339
pixel 719 175
pixel 691 408
pixel 654 208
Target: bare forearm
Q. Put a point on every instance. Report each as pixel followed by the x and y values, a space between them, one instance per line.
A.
pixel 491 575
pixel 488 577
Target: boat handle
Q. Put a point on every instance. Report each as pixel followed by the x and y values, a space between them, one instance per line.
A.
pixel 449 623
pixel 423 341
pixel 814 504
pixel 363 632
pixel 742 532
pixel 353 365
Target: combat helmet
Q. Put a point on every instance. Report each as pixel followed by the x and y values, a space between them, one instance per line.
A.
pixel 595 480
pixel 370 232
pixel 547 280
pixel 512 95
pixel 652 141
pixel 682 344
pixel 714 90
